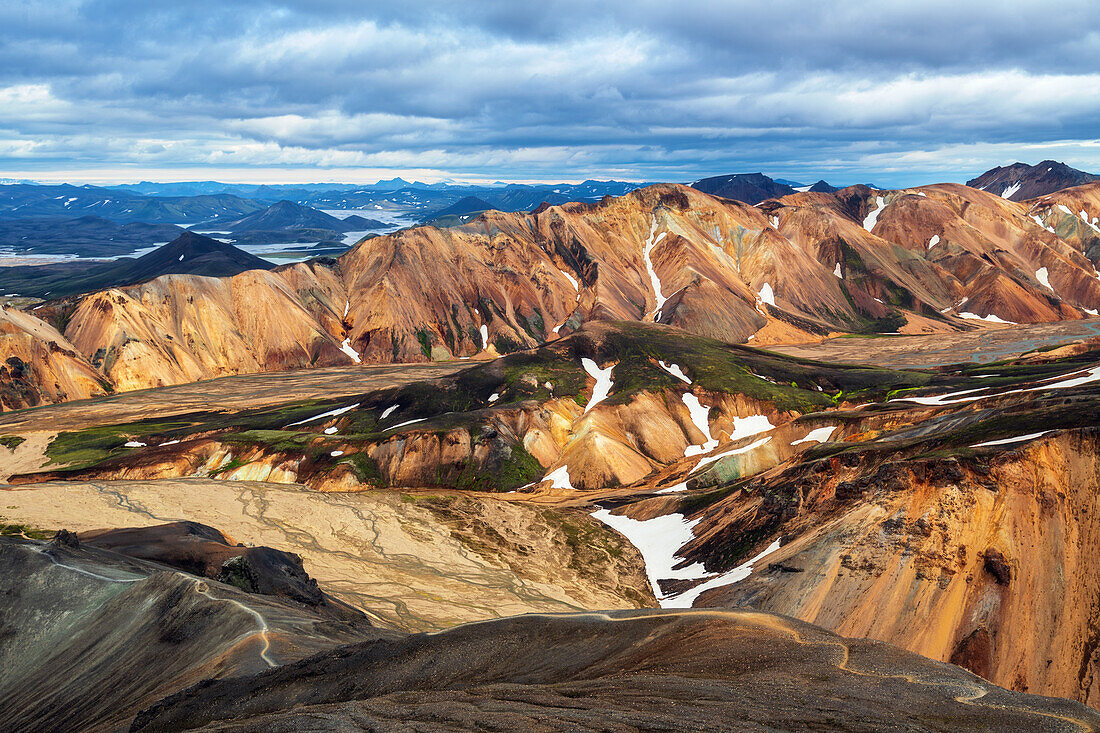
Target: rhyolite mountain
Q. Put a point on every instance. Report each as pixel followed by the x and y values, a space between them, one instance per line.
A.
pixel 187 254
pixel 1020 181
pixel 937 258
pixel 752 188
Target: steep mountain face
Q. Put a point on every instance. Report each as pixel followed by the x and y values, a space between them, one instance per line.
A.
pixel 939 258
pixel 38 365
pixel 751 188
pixel 1020 181
pixel 672 671
pixel 183 328
pixel 1073 214
pixel 940 250
pixel 955 555
pixel 188 254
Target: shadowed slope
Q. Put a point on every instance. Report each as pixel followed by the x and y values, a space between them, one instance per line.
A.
pixel 670 671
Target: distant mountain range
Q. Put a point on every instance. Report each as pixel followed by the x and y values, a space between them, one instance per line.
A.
pixel 188 254
pixel 85 236
pixel 1020 181
pixel 289 215
pixel 20 201
pixel 458 212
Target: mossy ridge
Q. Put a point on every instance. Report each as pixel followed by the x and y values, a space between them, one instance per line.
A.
pixel 797 384
pixel 514 469
pixel 11 442
pixel 82 448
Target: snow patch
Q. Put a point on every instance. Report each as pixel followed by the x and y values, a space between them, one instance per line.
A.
pixel 346 348
pixel 484 337
pixel 837 271
pixel 134 444
pixel 818 435
pixel 558 478
pixel 682 486
pixel 933 241
pixel 407 422
pixel 330 431
pixel 739 573
pixel 766 295
pixel 494 396
pixel 1007 441
pixel 872 218
pixel 744 427
pixel 658 540
pixel 675 371
pixel 603 382
pixel 735 452
pixel 572 280
pixel 330 413
pixel 1009 190
pixel 1041 223
pixel 1042 276
pixel 388 411
pixel 653 279
pixel 700 415
pixel 991 318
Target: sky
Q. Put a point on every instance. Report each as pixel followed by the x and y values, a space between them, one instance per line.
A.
pixel 890 93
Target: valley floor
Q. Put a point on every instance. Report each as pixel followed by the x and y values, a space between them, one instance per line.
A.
pixel 411 561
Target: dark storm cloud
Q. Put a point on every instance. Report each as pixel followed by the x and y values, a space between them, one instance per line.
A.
pixel 890 91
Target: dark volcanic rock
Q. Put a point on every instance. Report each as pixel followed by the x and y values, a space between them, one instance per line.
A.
pixel 1021 181
pixel 752 188
pixel 202 550
pixel 644 670
pixel 188 254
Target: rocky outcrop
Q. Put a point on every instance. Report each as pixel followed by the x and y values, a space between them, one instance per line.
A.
pixel 201 550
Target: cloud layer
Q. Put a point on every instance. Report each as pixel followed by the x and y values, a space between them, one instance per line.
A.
pixel 897 93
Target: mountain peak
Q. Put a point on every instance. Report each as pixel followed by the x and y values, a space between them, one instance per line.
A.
pixel 751 188
pixel 1020 181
